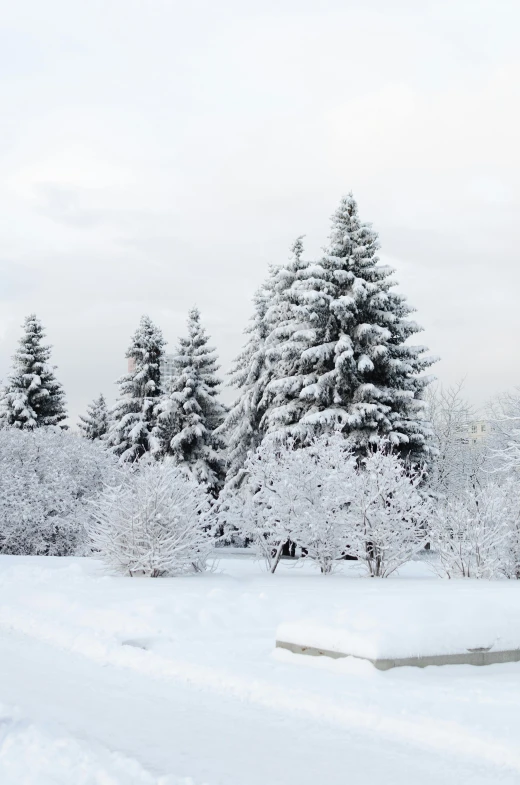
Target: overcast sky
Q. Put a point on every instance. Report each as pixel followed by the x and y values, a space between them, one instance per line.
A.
pixel 155 154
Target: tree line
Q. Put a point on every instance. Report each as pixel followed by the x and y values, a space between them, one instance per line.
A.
pixel 327 351
pixel 336 440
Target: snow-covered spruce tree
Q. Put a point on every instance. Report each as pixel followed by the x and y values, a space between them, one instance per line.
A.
pixel 244 426
pixel 341 360
pixel 152 521
pixel 33 397
pixel 133 417
pixel 95 423
pixel 299 306
pixel 189 418
pixel 250 375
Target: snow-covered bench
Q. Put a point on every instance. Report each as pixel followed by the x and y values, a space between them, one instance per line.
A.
pixel 474 628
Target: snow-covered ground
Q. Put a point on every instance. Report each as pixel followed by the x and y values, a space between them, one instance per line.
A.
pixel 115 681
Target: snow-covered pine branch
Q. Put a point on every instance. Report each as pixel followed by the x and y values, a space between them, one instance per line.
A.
pixel 153 521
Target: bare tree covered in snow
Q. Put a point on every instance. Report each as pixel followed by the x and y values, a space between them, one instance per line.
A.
pixel 388 513
pixel 153 521
pixel 472 533
pixel 457 464
pixel 322 499
pixel 504 416
pixel 510 552
pixel 47 477
pixel 268 507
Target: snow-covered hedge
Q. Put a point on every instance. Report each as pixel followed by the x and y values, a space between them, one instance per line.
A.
pixel 47 477
pixel 152 522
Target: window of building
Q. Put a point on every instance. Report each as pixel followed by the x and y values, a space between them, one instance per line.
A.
pixel 473 429
pixel 483 427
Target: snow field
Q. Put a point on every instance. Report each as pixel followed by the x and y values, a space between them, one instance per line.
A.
pixel 214 634
pixel 29 754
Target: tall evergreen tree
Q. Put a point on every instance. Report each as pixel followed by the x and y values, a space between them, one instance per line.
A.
pixel 190 416
pixel 133 418
pixel 95 423
pixel 33 397
pixel 253 368
pixel 341 361
pixel 250 375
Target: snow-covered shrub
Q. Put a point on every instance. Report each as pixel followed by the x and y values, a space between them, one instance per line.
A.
pixel 153 521
pixel 296 494
pixel 388 514
pixel 474 532
pixel 47 477
pixel 330 504
pixel 266 508
pixel 328 471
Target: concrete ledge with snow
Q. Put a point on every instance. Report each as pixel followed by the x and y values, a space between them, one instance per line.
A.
pixel 471 657
pixel 392 632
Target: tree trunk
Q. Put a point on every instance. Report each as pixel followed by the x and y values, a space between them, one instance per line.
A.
pixel 277 556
